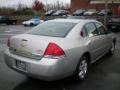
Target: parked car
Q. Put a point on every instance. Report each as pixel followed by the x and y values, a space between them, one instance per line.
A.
pixel 78 12
pixel 76 17
pixel 59 48
pixel 49 13
pixel 102 12
pixel 60 13
pixel 32 22
pixel 114 23
pixel 90 12
pixel 81 17
pixel 7 20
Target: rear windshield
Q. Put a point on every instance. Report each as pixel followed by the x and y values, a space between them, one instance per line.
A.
pixel 53 29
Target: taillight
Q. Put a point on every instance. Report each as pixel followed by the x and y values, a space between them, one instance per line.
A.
pixel 8 42
pixel 53 51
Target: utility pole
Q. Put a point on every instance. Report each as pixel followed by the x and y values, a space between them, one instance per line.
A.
pixel 105 16
pixel 46 5
pixel 112 4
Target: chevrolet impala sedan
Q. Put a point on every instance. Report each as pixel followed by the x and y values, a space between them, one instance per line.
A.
pixel 59 48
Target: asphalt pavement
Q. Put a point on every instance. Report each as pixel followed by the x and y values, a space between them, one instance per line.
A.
pixel 102 75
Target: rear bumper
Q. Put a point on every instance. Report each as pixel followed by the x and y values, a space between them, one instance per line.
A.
pixel 44 69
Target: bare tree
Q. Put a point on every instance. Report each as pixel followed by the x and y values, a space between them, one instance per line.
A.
pixel 57 5
pixel 37 6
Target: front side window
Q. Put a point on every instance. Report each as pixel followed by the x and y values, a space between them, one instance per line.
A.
pixel 91 29
pixel 100 28
pixel 53 29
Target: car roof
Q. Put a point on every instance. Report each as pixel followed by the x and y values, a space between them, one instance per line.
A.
pixel 73 20
pixel 36 18
pixel 76 17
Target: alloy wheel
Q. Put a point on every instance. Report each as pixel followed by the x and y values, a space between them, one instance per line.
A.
pixel 83 69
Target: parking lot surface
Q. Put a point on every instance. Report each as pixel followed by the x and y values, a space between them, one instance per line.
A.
pixel 102 75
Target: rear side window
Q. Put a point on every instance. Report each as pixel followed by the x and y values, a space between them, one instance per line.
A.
pixel 90 29
pixel 53 29
pixel 100 28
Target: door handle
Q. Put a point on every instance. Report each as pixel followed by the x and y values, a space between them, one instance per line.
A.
pixel 89 42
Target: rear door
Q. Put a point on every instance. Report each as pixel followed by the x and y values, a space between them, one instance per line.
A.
pixel 105 37
pixel 95 43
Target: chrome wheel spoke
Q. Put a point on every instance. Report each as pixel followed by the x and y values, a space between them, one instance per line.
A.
pixel 82 69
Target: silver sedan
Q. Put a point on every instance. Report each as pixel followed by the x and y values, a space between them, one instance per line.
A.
pixel 59 48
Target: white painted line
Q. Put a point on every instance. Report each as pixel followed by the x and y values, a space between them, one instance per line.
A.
pixel 8 31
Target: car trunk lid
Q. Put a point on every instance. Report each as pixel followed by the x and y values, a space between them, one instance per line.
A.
pixel 31 46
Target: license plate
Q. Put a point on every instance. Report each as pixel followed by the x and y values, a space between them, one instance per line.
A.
pixel 21 65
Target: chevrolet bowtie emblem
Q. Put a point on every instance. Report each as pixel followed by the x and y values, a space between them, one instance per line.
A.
pixel 23 44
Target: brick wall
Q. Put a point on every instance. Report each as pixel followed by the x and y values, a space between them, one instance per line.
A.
pixel 85 4
pixel 76 4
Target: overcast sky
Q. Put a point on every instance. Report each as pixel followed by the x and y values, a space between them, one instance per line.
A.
pixel 14 3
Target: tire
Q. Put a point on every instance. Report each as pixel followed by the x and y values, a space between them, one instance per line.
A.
pixel 112 49
pixel 25 25
pixel 14 23
pixel 31 24
pixel 7 23
pixel 82 69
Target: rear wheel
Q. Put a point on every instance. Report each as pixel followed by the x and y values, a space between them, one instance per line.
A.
pixel 82 68
pixel 25 25
pixel 7 23
pixel 14 23
pixel 31 24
